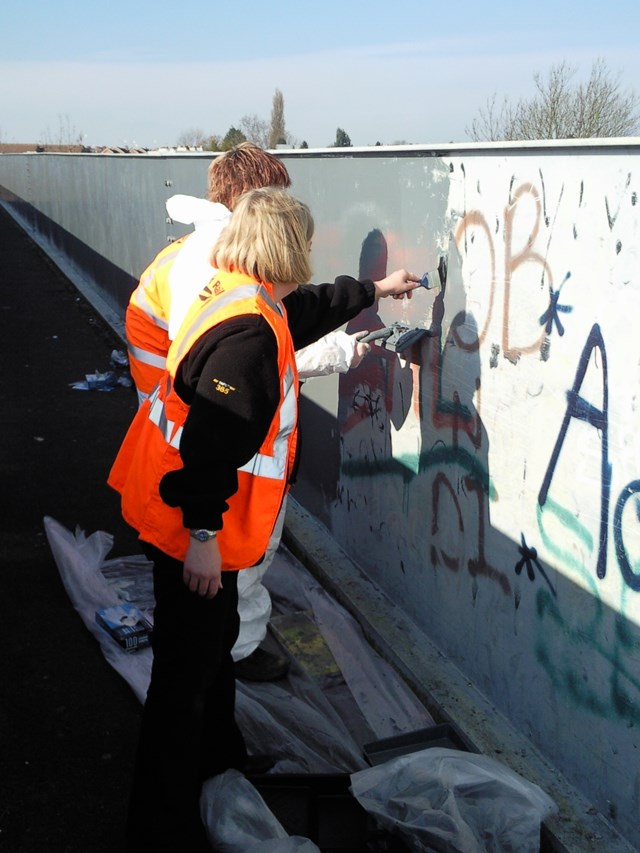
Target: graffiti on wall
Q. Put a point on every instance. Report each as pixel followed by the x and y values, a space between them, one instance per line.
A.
pixel 426 421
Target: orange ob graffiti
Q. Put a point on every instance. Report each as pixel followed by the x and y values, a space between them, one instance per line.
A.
pixel 515 259
pixel 473 236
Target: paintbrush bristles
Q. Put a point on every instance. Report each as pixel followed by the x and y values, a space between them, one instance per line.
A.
pixel 430 280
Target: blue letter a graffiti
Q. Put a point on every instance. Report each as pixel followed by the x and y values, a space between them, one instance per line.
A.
pixel 579 408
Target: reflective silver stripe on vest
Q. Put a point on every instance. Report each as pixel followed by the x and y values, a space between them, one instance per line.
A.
pixel 147 308
pixel 158 417
pixel 146 357
pixel 244 291
pixel 140 299
pixel 275 467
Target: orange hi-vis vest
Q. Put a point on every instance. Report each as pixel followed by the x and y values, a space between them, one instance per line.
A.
pixel 151 447
pixel 147 321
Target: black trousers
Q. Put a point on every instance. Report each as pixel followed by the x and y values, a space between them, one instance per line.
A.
pixel 188 731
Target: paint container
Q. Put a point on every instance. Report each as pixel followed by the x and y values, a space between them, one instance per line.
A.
pixel 444 735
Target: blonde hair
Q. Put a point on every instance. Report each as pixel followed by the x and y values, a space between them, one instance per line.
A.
pixel 268 238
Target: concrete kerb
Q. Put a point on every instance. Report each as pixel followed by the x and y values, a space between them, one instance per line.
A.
pixel 447 694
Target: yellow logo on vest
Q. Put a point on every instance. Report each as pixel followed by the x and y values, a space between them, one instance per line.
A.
pixel 214 288
pixel 222 387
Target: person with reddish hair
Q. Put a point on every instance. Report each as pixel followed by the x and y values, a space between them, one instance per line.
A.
pixel 203 473
pixel 157 307
pixel 243 168
pixel 179 271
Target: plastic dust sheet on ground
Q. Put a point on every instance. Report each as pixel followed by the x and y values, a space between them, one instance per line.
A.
pixel 238 820
pixel 443 799
pixel 312 722
pixel 339 695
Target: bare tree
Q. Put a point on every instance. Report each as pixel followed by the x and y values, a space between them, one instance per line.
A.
pixel 192 138
pixel 277 132
pixel 67 133
pixel 255 129
pixel 562 109
pixel 492 122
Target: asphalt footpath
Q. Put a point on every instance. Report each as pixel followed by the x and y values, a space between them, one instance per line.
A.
pixel 68 721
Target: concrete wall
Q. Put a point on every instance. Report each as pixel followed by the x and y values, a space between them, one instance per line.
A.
pixel 103 214
pixel 488 481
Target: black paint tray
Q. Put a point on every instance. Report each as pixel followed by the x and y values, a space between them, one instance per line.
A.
pixel 397 338
pixel 445 735
pixel 322 808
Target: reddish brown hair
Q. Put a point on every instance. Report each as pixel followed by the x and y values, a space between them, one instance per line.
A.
pixel 245 167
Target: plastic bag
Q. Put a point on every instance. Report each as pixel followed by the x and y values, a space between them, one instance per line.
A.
pixel 302 731
pixel 131 578
pixel 238 820
pixel 454 801
pixel 79 559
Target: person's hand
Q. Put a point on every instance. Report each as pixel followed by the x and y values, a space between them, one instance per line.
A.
pixel 397 284
pixel 203 568
pixel 360 349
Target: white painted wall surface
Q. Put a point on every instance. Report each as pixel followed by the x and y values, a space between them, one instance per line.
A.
pixel 489 482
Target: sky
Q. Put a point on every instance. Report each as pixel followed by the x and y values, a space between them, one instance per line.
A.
pixel 403 71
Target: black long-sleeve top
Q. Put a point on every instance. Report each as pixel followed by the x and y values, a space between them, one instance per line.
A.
pixel 223 431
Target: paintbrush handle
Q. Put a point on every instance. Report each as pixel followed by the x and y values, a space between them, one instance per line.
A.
pixel 379 334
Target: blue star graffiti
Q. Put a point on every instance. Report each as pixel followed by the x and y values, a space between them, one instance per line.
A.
pixel 529 560
pixel 551 315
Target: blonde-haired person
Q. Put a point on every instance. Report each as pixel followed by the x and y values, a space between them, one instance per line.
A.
pixel 173 279
pixel 180 270
pixel 203 472
pixel 167 288
pixel 268 239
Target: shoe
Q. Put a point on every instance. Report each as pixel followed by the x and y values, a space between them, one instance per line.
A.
pixel 261 665
pixel 256 765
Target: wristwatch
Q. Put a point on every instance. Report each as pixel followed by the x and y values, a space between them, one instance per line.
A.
pixel 203 535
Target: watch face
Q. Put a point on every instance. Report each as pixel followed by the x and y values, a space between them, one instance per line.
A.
pixel 203 535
